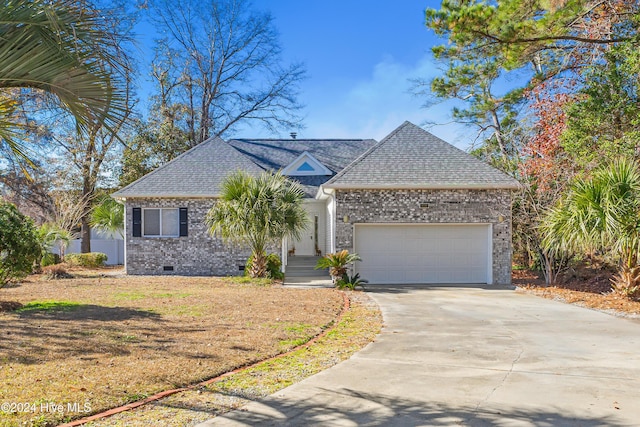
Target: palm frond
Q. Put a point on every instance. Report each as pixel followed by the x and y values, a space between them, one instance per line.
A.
pixel 108 217
pixel 599 213
pixel 258 210
pixel 62 48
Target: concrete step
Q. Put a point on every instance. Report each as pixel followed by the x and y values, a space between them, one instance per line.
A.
pixel 299 261
pixel 308 281
pixel 304 266
pixel 306 270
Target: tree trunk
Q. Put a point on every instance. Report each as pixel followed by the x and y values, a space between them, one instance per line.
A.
pixel 85 235
pixel 259 265
pixel 88 190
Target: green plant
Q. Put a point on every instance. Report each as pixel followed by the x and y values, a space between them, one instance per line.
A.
pixel 337 263
pixel 108 217
pixel 273 266
pixel 51 234
pixel 350 282
pixel 51 306
pixel 601 214
pixel 91 259
pixel 66 49
pixel 50 258
pixel 19 245
pixel 257 211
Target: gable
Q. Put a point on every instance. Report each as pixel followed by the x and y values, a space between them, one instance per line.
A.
pixel 306 165
pixel 410 157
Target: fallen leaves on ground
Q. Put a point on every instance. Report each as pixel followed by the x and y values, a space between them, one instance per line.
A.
pixel 590 289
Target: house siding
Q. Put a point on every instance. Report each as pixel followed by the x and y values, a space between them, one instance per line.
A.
pixel 439 207
pixel 197 254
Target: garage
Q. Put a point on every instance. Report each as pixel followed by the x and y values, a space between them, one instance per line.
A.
pixel 425 253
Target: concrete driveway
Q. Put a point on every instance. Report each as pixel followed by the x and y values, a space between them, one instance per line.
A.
pixel 471 357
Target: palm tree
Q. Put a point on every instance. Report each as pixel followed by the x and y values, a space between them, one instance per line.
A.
pixel 62 48
pixel 258 211
pixel 108 217
pixel 337 263
pixel 50 234
pixel 601 214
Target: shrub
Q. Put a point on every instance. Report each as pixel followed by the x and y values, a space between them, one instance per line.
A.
pixel 49 258
pixel 273 266
pixel 337 263
pixel 56 271
pixel 92 259
pixel 350 283
pixel 19 244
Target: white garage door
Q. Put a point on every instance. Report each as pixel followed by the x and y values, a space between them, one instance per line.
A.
pixel 447 253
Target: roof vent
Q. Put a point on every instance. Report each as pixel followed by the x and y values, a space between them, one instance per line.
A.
pixel 294 135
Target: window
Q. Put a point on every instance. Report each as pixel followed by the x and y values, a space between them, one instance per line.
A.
pixel 305 167
pixel 161 222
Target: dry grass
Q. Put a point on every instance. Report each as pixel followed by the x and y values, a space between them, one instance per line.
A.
pixel 358 327
pixel 106 340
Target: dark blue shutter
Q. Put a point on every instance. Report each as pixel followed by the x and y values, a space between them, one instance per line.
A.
pixel 137 222
pixel 184 222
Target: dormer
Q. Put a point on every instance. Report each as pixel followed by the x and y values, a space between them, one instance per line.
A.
pixel 306 165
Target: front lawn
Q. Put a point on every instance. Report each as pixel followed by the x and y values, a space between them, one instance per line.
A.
pixel 83 345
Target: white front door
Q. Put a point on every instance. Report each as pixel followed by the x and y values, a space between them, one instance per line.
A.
pixel 313 235
pixel 306 244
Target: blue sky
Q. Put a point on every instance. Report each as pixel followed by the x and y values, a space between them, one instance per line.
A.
pixel 359 56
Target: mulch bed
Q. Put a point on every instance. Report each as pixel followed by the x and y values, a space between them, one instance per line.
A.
pixel 584 286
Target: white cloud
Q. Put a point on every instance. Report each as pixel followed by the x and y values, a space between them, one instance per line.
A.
pixel 374 106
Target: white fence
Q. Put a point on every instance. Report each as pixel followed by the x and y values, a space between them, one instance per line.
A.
pixel 112 247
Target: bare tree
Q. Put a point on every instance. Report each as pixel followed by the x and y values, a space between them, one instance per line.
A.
pixel 69 208
pixel 31 195
pixel 220 65
pixel 88 153
pixel 88 150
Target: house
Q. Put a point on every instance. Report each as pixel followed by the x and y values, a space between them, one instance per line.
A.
pixel 417 209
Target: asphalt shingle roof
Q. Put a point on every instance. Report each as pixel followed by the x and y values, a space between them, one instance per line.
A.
pixel 276 154
pixel 200 171
pixel 195 173
pixel 411 157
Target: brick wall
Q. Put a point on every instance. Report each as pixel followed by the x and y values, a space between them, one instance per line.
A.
pixel 439 206
pixel 198 254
